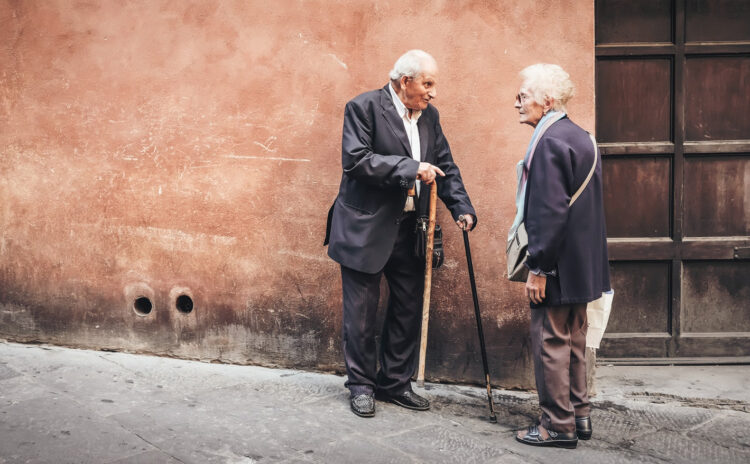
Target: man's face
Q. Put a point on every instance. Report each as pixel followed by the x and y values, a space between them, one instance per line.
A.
pixel 529 111
pixel 418 91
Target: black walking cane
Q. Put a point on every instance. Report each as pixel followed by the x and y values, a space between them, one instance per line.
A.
pixel 493 419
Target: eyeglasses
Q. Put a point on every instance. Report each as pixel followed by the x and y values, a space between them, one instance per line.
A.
pixel 523 98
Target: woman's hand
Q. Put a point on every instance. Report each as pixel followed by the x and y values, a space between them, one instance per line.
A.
pixel 535 286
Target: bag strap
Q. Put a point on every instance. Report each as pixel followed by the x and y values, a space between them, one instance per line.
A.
pixel 588 178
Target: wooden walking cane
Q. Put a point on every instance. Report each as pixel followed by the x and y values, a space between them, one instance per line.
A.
pixel 427 283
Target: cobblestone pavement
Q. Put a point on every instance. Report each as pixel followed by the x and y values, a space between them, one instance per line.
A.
pixel 60 405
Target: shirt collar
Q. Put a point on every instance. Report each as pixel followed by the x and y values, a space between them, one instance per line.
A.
pixel 401 109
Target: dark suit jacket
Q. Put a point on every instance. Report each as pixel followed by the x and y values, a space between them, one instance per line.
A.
pixel 378 170
pixel 571 240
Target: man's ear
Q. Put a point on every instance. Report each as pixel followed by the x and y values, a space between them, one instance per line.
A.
pixel 403 80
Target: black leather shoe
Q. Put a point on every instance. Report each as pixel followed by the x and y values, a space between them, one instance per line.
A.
pixel 560 440
pixel 363 405
pixel 407 399
pixel 583 428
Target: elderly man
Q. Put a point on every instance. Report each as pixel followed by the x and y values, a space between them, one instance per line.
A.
pixel 392 142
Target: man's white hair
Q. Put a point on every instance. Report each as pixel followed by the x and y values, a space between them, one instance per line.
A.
pixel 548 80
pixel 410 64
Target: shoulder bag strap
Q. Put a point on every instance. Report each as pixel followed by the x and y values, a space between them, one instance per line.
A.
pixel 588 178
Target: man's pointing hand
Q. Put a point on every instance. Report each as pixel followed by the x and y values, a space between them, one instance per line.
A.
pixel 427 173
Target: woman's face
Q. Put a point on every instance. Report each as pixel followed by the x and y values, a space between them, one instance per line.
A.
pixel 529 111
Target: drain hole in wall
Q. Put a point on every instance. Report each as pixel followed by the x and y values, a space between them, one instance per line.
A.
pixel 142 306
pixel 184 304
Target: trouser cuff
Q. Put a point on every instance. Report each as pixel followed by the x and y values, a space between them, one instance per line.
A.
pixel 360 390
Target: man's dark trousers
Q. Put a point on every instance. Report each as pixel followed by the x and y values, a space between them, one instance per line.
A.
pixel 404 273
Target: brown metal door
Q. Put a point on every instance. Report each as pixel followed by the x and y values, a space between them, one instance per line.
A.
pixel 673 121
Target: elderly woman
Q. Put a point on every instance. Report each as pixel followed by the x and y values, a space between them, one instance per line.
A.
pixel 560 203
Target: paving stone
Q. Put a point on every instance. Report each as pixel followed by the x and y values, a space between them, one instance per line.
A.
pixel 149 457
pixel 192 438
pixel 6 372
pixel 679 448
pixel 357 449
pixel 729 429
pixel 617 428
pixel 663 417
pixel 441 444
pixel 22 388
pixel 107 391
pixel 55 430
pixel 584 453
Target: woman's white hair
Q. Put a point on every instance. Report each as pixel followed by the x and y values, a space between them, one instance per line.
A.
pixel 548 80
pixel 410 64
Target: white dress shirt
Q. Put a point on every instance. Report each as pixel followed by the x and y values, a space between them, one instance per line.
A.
pixel 412 132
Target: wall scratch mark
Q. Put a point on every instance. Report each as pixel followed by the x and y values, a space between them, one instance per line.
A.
pixel 269 158
pixel 267 144
pixel 303 255
pixel 336 58
pixel 169 238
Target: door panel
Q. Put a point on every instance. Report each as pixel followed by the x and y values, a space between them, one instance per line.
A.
pixel 628 345
pixel 640 186
pixel 717 97
pixel 716 296
pixel 641 297
pixel 717 196
pixel 706 345
pixel 619 83
pixel 634 21
pixel 717 20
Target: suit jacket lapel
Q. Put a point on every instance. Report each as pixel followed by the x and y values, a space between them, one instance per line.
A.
pixel 393 120
pixel 423 136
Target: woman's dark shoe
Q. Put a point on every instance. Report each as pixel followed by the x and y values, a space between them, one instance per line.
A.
pixel 407 399
pixel 363 405
pixel 533 436
pixel 583 428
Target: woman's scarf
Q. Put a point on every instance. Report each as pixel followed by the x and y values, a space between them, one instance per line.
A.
pixel 522 168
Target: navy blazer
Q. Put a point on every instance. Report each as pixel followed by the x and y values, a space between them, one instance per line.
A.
pixel 378 170
pixel 571 240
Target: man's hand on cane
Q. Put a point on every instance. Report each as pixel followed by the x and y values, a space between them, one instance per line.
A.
pixel 465 222
pixel 428 172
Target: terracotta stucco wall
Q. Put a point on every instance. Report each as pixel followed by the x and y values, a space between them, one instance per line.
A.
pixel 156 148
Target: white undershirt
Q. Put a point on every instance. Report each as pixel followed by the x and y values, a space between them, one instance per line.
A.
pixel 412 133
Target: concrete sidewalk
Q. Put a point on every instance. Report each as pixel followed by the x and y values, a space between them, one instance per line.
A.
pixel 60 405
